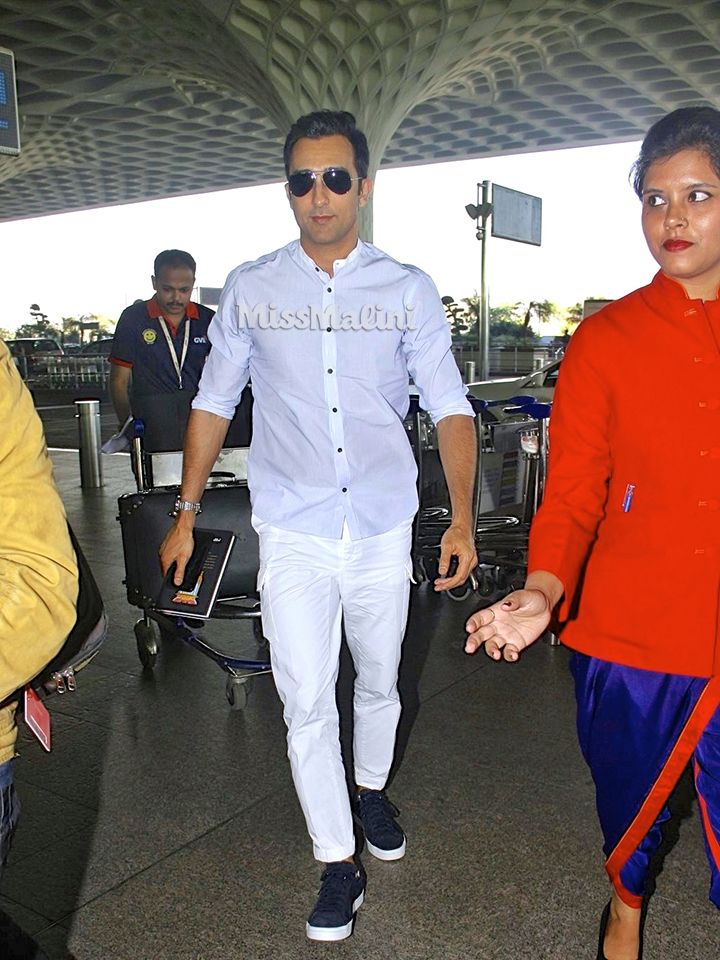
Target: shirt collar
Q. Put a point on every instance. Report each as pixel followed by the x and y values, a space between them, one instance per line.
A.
pixel 304 260
pixel 672 290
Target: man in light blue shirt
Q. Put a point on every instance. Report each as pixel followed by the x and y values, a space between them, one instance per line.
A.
pixel 330 330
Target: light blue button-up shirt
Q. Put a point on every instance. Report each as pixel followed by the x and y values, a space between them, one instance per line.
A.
pixel 330 360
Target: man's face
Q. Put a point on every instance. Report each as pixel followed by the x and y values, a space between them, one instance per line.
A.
pixel 173 287
pixel 327 220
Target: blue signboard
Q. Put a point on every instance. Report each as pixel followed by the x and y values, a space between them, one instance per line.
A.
pixel 9 128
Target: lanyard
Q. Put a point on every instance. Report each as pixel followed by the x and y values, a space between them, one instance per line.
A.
pixel 171 347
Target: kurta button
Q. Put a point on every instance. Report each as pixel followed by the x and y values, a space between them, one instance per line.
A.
pixel 702 404
pixel 702 503
pixel 698 550
pixel 704 453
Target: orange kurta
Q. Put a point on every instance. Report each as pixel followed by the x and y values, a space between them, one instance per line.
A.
pixel 638 404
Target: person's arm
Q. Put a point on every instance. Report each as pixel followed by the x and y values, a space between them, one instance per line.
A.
pixel 511 624
pixel 203 442
pixel 120 377
pixel 38 568
pixel 458 454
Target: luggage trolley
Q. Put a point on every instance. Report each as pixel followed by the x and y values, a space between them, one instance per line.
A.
pixel 146 516
pixel 501 540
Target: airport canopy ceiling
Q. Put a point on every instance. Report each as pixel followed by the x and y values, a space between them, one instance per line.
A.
pixel 126 100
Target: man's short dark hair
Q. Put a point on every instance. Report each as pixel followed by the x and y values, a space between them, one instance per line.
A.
pixel 327 123
pixel 173 258
pixel 688 128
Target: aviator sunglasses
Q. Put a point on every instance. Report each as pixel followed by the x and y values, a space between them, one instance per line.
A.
pixel 336 179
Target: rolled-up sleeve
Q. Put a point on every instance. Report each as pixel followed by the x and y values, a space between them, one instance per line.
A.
pixel 428 354
pixel 227 368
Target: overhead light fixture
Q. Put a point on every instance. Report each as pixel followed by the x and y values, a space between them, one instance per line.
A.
pixel 479 211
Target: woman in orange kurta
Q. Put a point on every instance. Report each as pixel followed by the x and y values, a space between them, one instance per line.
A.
pixel 625 549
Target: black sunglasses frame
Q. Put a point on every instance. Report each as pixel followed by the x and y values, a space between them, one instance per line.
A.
pixel 301 182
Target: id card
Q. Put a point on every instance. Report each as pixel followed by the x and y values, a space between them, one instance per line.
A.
pixel 37 718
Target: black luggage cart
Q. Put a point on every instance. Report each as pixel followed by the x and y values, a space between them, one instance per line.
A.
pixel 145 518
pixel 501 536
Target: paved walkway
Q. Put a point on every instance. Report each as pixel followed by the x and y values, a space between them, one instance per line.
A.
pixel 163 826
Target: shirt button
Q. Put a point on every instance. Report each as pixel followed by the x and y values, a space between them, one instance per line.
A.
pixel 344 489
pixel 329 289
pixel 339 449
pixel 334 409
pixel 329 369
pixel 328 329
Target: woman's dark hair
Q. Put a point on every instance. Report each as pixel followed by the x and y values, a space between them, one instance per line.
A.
pixel 689 128
pixel 327 123
pixel 173 258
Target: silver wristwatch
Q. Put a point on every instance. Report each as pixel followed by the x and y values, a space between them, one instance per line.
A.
pixel 180 505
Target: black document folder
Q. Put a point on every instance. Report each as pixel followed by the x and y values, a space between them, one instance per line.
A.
pixel 197 593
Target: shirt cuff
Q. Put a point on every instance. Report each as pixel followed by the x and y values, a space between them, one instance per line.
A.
pixel 461 407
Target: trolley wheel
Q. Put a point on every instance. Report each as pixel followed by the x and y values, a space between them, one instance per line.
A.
pixel 146 637
pixel 461 592
pixel 237 691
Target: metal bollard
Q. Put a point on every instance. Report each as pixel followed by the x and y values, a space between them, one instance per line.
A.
pixel 469 371
pixel 88 418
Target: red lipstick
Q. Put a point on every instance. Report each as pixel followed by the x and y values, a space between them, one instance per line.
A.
pixel 676 246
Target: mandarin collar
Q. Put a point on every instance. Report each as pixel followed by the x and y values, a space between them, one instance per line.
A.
pixel 309 264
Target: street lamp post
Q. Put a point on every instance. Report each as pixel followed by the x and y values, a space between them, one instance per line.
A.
pixel 480 212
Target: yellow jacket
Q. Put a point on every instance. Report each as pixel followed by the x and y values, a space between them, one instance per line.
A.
pixel 38 571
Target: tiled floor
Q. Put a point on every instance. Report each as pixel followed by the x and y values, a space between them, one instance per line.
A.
pixel 164 826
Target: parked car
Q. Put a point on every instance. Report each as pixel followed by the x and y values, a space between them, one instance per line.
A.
pixel 539 384
pixel 97 348
pixel 31 354
pixel 34 347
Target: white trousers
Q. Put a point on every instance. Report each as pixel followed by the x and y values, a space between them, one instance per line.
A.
pixel 310 587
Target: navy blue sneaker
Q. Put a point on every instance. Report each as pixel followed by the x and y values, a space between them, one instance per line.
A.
pixel 342 890
pixel 384 838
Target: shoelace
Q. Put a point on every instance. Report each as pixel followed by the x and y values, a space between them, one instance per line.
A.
pixel 378 811
pixel 333 890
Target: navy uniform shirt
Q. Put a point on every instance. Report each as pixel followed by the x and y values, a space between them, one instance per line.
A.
pixel 140 343
pixel 157 395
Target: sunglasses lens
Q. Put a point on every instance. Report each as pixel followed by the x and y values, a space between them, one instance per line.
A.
pixel 300 183
pixel 337 180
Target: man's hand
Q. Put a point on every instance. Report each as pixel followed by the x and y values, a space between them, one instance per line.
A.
pixel 456 542
pixel 512 624
pixel 177 548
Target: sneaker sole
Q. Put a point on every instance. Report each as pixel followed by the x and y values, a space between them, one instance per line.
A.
pixel 397 854
pixel 334 933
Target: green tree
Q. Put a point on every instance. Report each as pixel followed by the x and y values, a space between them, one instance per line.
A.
pixel 41 328
pixel 573 316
